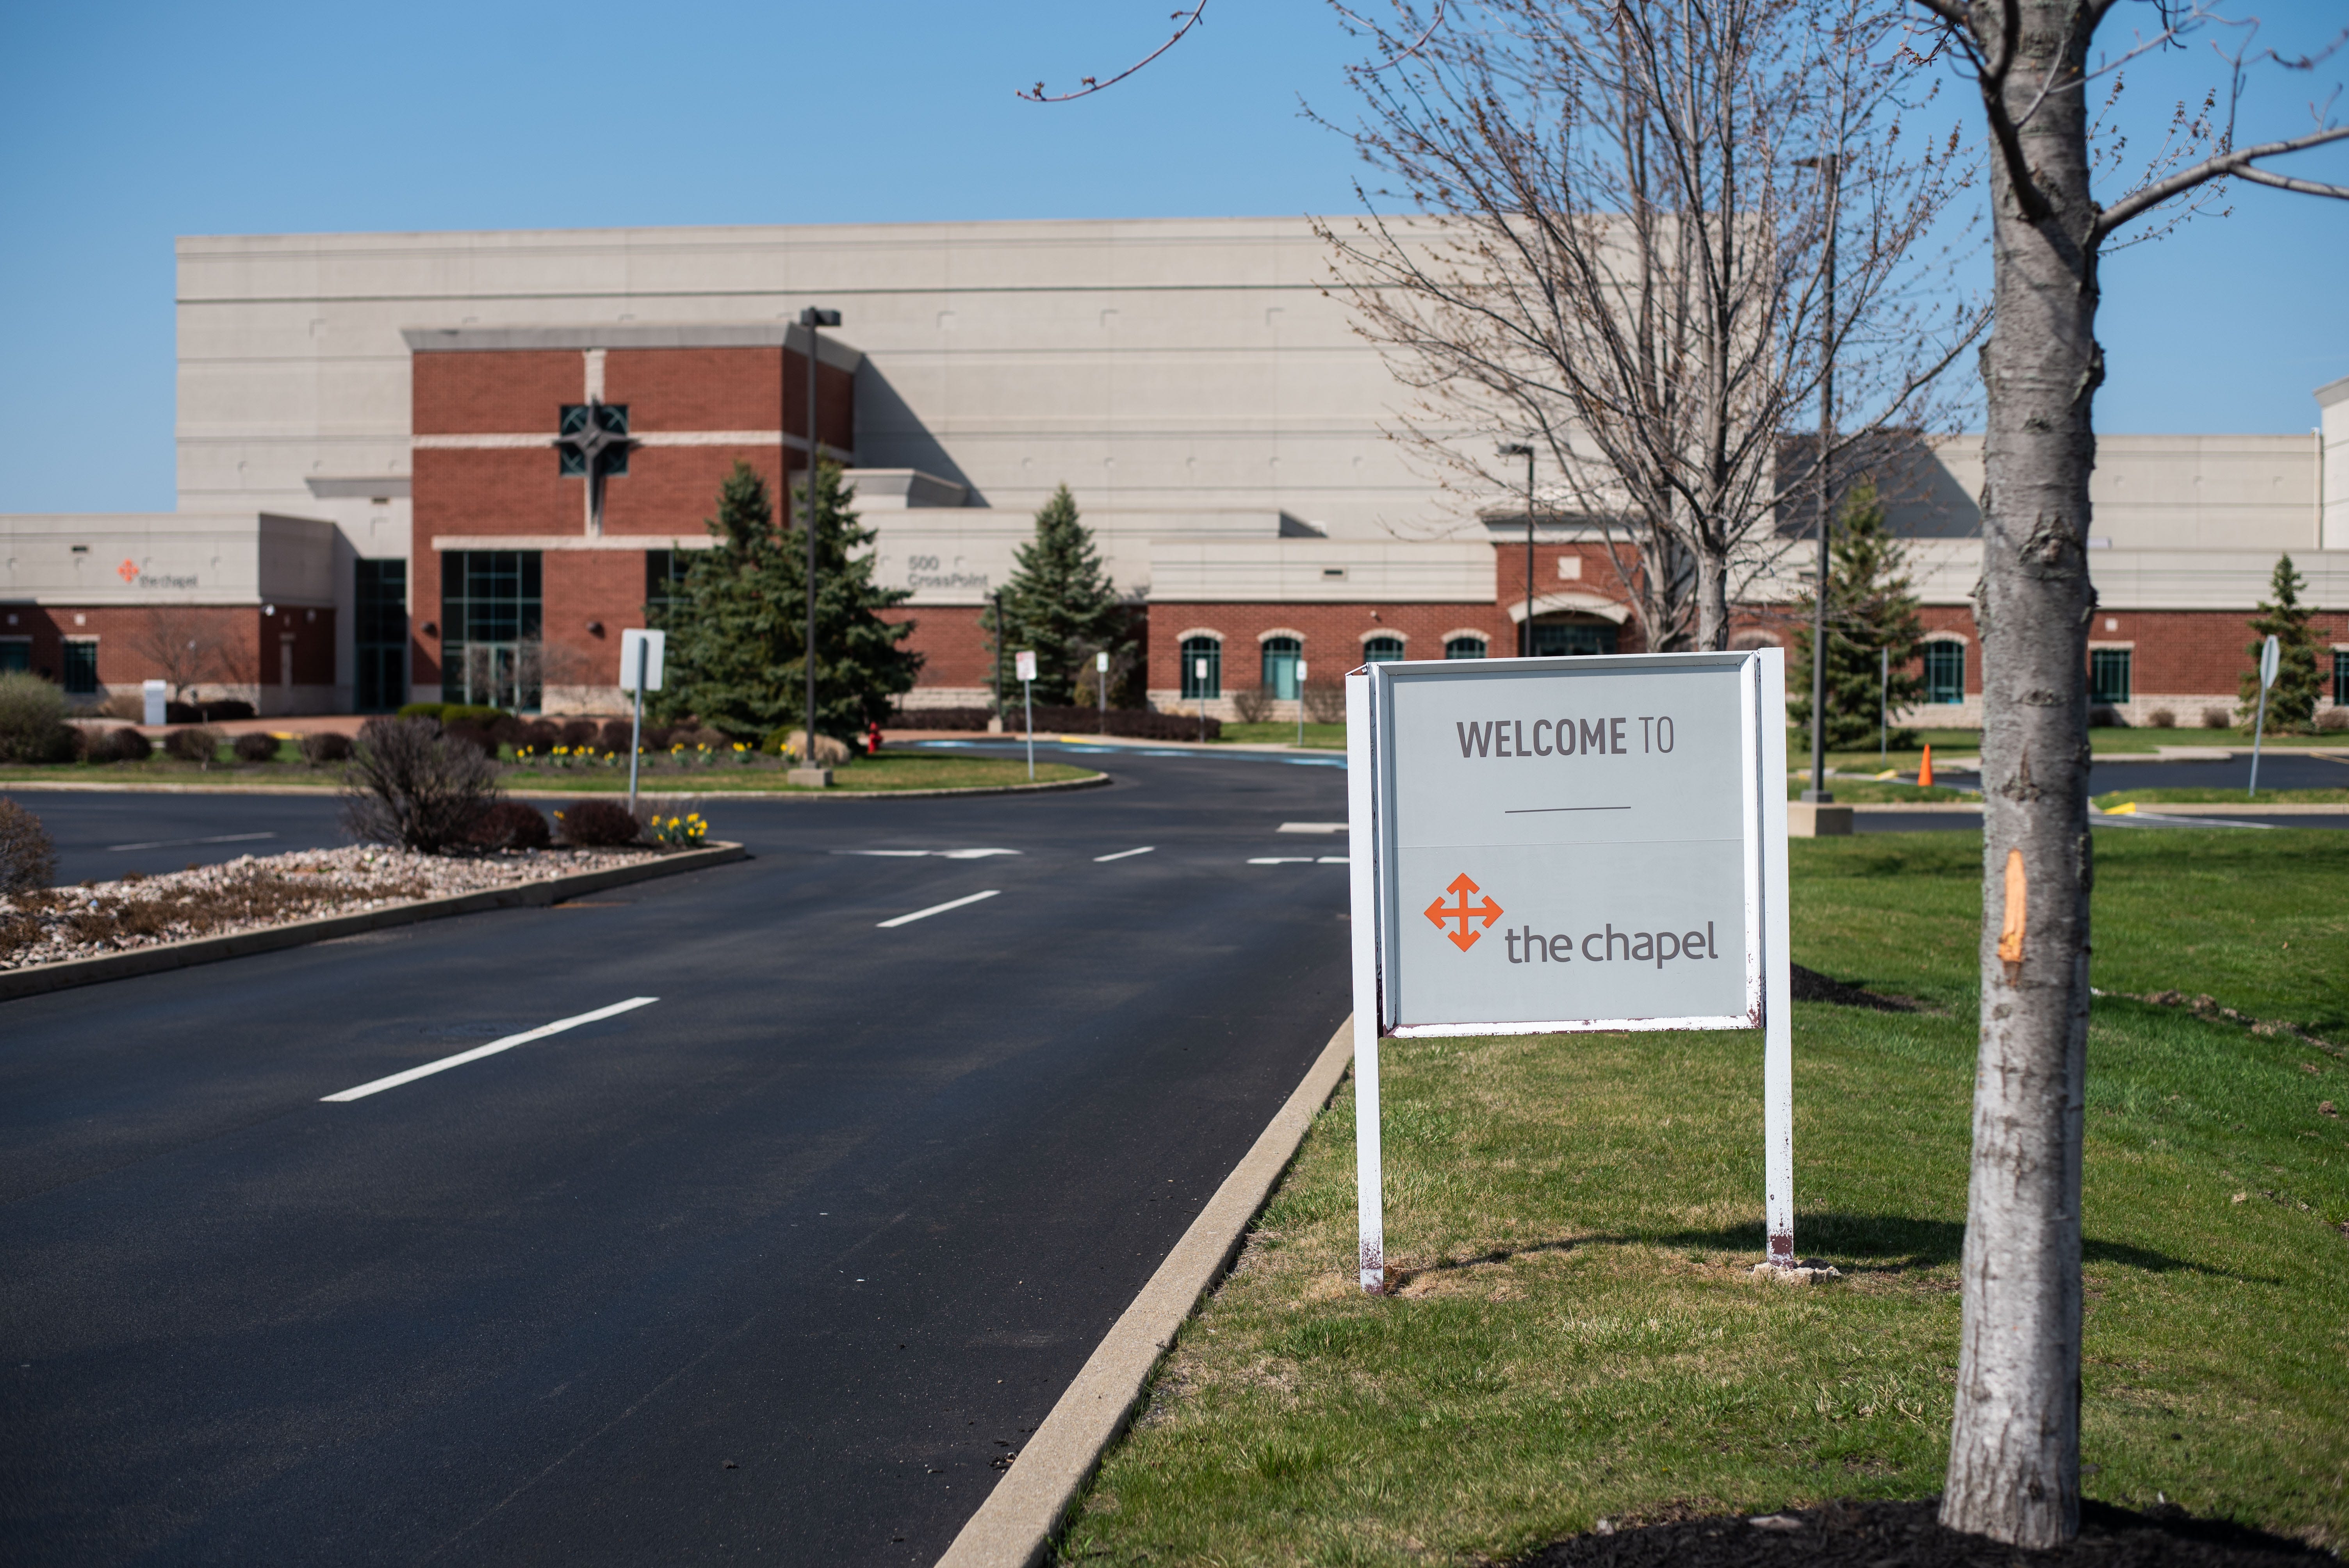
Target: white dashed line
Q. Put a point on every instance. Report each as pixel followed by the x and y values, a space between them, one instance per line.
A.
pixel 492 1048
pixel 176 843
pixel 1121 854
pixel 937 909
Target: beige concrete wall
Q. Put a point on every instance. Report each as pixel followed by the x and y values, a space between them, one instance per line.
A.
pixel 101 559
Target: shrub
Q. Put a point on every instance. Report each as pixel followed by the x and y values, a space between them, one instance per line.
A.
pixel 178 713
pixel 691 736
pixel 2217 718
pixel 2105 716
pixel 2162 718
pixel 578 732
pixel 33 727
pixel 254 746
pixel 614 736
pixel 225 709
pixel 1254 706
pixel 1326 703
pixel 2332 718
pixel 471 735
pixel 1136 723
pixel 124 745
pixel 420 710
pixel 410 785
pixel 28 859
pixel 197 743
pixel 324 745
pixel 538 735
pixel 511 825
pixel 598 824
pixel 125 705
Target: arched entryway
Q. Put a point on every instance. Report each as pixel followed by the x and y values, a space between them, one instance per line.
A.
pixel 1571 632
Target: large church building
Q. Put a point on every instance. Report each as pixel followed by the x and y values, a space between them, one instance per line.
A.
pixel 456 466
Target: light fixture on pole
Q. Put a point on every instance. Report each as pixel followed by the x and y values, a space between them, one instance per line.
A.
pixel 1526 633
pixel 1831 166
pixel 811 318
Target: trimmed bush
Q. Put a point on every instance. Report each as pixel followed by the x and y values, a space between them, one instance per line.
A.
pixel 471 735
pixel 2162 718
pixel 124 745
pixel 453 712
pixel 511 825
pixel 177 713
pixel 410 785
pixel 579 732
pixel 222 711
pixel 420 710
pixel 33 727
pixel 28 859
pixel 598 824
pixel 1134 723
pixel 538 735
pixel 254 746
pixel 324 745
pixel 2333 719
pixel 614 736
pixel 198 743
pixel 2218 718
pixel 1254 706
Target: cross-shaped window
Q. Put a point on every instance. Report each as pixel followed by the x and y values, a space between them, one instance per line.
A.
pixel 594 438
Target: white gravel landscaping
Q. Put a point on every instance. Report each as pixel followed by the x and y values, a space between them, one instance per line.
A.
pixel 257 891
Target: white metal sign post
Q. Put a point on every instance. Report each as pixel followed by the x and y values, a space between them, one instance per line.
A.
pixel 640 672
pixel 1551 845
pixel 1024 662
pixel 2270 654
pixel 1101 687
pixel 1300 702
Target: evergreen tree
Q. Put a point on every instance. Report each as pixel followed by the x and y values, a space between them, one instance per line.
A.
pixel 739 620
pixel 1059 603
pixel 2291 701
pixel 1870 610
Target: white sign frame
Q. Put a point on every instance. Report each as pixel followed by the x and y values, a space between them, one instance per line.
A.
pixel 655 645
pixel 1376 905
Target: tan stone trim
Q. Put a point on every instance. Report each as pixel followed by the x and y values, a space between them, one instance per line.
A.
pixel 1181 637
pixel 1290 631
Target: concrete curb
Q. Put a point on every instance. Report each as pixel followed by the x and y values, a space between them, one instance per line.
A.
pixel 2197 809
pixel 332 791
pixel 42 978
pixel 1015 1526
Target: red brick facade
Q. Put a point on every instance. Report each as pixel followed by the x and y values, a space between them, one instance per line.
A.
pixel 247 653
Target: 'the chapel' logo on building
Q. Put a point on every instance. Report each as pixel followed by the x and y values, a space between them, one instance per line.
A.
pixel 126 571
pixel 1467 915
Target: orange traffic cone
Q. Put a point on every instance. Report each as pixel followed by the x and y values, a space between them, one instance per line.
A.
pixel 1925 774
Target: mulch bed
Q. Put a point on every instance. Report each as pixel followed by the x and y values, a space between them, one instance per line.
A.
pixel 1909 1535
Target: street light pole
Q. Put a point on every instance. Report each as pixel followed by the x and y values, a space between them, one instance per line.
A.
pixel 1525 631
pixel 1830 165
pixel 811 318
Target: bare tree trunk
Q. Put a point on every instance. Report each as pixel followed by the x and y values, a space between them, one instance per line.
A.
pixel 2014 1446
pixel 1712 601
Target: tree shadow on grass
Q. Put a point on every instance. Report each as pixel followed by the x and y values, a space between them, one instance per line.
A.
pixel 1883 1245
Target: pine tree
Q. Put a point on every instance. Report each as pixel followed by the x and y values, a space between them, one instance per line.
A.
pixel 2291 701
pixel 1061 603
pixel 1871 611
pixel 737 623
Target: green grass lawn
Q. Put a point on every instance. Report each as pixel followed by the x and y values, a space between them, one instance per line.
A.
pixel 889 771
pixel 1881 792
pixel 1328 735
pixel 1576 1335
pixel 2203 796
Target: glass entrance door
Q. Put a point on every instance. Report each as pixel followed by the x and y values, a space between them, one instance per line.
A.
pixel 493 676
pixel 1554 638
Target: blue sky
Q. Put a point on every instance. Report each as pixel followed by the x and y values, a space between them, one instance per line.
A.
pixel 130 124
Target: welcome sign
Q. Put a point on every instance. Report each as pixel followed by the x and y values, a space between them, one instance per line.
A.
pixel 1560 844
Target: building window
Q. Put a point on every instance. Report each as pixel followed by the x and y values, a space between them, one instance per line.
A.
pixel 16 654
pixel 379 635
pixel 597 430
pixel 1381 650
pixel 490 626
pixel 1556 639
pixel 2108 674
pixel 1202 667
pixel 2341 678
pixel 1465 649
pixel 81 667
pixel 1281 656
pixel 1945 672
pixel 665 572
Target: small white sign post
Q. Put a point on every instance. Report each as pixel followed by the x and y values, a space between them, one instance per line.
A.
pixel 1023 664
pixel 1550 845
pixel 1199 674
pixel 2271 654
pixel 640 672
pixel 1101 687
pixel 1300 702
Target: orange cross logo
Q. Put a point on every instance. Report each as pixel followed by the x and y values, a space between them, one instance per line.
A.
pixel 1464 913
pixel 126 571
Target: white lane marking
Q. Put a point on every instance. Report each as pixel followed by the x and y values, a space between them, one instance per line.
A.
pixel 492 1048
pixel 1281 860
pixel 937 909
pixel 1335 860
pixel 1121 854
pixel 1313 827
pixel 941 854
pixel 176 843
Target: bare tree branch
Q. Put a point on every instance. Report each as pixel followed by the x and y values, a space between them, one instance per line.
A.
pixel 2226 165
pixel 1189 19
pixel 1407 51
